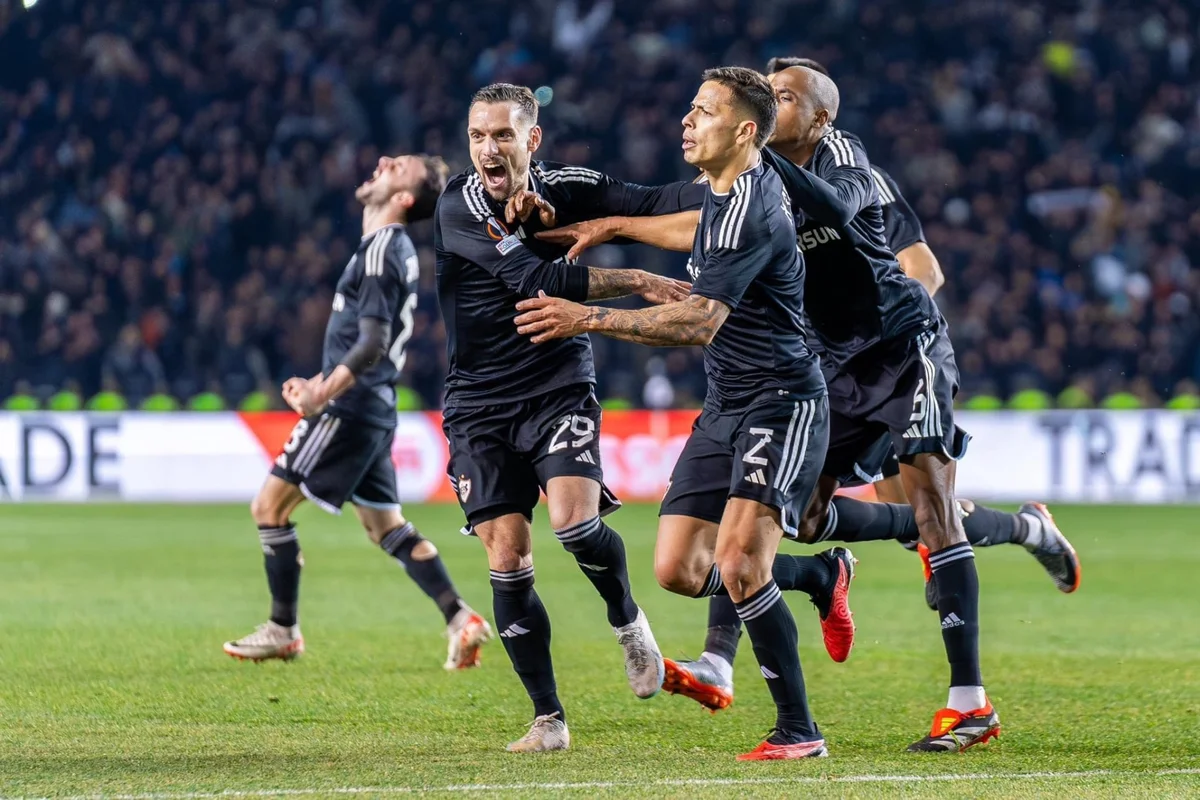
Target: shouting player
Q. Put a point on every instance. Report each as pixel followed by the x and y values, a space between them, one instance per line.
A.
pixel 341 449
pixel 522 417
pixel 751 463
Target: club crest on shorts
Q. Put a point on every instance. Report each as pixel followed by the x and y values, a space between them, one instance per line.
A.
pixel 464 488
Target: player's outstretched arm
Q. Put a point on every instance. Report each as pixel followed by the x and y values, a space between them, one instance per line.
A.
pixel 674 232
pixel 835 201
pixel 605 284
pixel 694 321
pixel 920 264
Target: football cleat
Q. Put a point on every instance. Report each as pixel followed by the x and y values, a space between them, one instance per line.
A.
pixel 772 751
pixel 268 641
pixel 643 661
pixel 837 623
pixel 547 732
pixel 954 731
pixel 699 681
pixel 467 633
pixel 930 584
pixel 1055 553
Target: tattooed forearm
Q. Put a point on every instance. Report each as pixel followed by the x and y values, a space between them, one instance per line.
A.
pixel 605 284
pixel 690 322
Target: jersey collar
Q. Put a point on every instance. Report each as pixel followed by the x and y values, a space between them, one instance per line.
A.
pixel 735 180
pixel 396 225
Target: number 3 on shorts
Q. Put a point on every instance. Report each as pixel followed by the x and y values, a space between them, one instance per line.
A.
pixel 582 429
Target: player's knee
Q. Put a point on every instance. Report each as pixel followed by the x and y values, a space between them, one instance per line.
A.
pixel 567 514
pixel 741 572
pixel 938 529
pixel 812 523
pixel 265 512
pixel 677 578
pixel 508 559
pixel 424 549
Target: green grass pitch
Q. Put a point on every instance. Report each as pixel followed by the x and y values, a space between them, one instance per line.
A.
pixel 112 679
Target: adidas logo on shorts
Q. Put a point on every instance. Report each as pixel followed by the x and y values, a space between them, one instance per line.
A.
pixel 952 620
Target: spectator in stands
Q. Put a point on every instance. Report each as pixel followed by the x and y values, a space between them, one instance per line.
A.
pixel 131 368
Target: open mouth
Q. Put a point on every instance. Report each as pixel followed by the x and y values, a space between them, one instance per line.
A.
pixel 494 175
pixel 688 144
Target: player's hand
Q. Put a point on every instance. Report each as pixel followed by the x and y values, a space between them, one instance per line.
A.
pixel 305 397
pixel 659 290
pixel 546 318
pixel 523 203
pixel 581 235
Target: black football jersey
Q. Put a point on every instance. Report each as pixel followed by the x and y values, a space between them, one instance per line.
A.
pixel 856 293
pixel 901 227
pixel 745 256
pixel 380 282
pixel 485 266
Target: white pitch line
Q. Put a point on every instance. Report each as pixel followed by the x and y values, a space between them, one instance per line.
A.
pixel 800 780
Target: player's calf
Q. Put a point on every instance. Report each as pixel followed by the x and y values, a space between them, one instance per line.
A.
pixel 600 553
pixel 421 561
pixel 746 545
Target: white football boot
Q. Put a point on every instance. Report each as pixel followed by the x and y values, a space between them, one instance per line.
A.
pixel 548 732
pixel 643 661
pixel 269 640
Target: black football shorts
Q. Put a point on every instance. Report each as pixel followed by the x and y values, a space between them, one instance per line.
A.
pixel 770 451
pixel 502 455
pixel 334 459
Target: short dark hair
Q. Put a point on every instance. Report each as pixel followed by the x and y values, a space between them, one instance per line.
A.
pixel 437 175
pixel 780 63
pixel 753 93
pixel 510 93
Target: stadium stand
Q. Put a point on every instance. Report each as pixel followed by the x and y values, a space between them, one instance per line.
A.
pixel 176 178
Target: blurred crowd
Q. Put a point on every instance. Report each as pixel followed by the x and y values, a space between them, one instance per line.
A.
pixel 176 178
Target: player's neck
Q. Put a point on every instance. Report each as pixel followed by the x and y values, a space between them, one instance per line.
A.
pixel 376 217
pixel 722 177
pixel 798 153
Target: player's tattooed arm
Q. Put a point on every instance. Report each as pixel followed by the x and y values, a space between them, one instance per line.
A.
pixel 693 321
pixel 605 284
pixel 668 232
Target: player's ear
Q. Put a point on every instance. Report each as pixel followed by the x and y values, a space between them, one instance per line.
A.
pixel 535 138
pixel 821 119
pixel 405 200
pixel 747 131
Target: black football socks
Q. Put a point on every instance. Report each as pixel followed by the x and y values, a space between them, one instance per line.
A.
pixel 429 573
pixel 809 574
pixel 600 553
pixel 524 628
pixel 773 635
pixel 850 520
pixel 724 624
pixel 958 606
pixel 281 555
pixel 986 526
